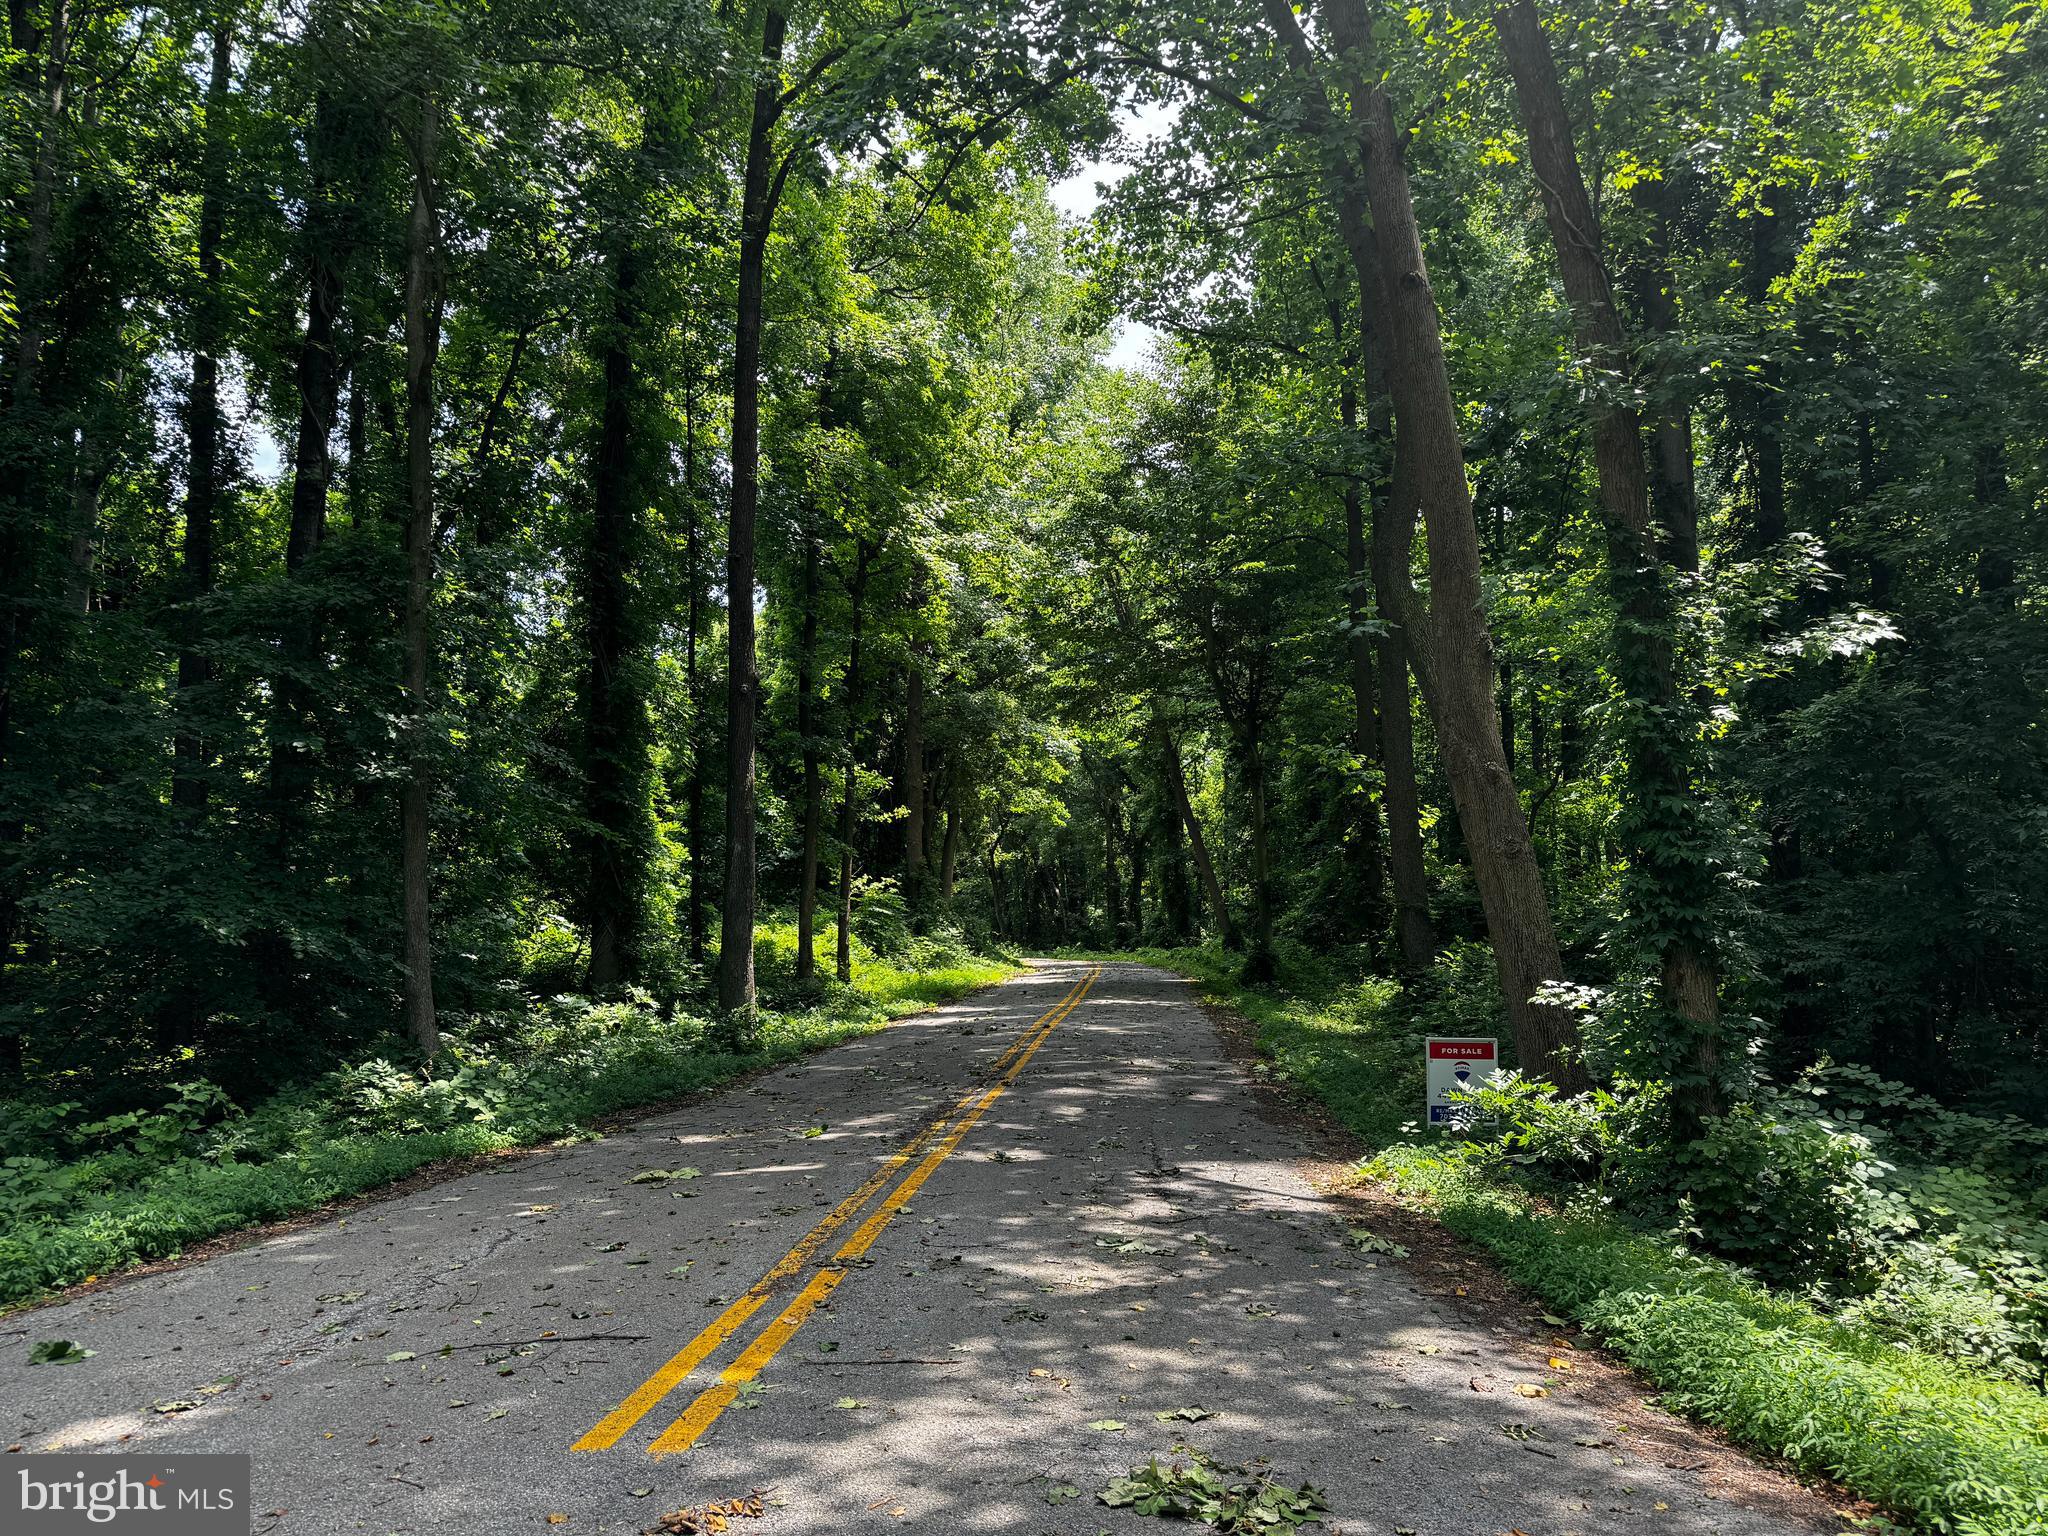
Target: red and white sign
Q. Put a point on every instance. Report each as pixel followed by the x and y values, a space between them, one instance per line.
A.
pixel 1456 1062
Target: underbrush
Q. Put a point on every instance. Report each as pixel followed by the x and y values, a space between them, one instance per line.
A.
pixel 81 1198
pixel 1844 1274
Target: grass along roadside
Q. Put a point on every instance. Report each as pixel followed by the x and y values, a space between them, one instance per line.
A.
pixel 1938 1444
pixel 191 1173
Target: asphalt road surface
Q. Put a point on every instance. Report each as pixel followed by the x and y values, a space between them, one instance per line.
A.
pixel 910 1284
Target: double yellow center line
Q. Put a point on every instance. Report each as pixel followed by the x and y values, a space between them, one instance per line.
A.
pixel 941 1137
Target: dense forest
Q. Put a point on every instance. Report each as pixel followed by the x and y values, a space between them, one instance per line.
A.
pixel 540 512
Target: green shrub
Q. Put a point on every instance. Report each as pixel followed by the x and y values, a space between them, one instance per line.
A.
pixel 79 1200
pixel 1923 1225
pixel 1958 1451
pixel 1796 1197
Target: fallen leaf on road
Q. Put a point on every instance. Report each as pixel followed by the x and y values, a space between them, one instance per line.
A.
pixel 849 1402
pixel 1555 1321
pixel 402 1354
pixel 1109 1426
pixel 558 1518
pixel 715 1516
pixel 1480 1386
pixel 1559 1363
pixel 339 1297
pixel 58 1352
pixel 664 1175
pixel 177 1405
pixel 1523 1389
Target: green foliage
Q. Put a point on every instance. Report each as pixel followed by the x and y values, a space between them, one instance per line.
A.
pixel 1952 1448
pixel 1900 1350
pixel 503 1082
pixel 58 1352
pixel 1194 1487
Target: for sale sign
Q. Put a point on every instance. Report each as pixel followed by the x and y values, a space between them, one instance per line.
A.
pixel 1453 1063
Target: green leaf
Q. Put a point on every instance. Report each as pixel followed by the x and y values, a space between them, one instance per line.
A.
pixel 58 1352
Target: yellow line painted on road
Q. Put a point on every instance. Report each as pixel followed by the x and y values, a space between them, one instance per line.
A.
pixel 612 1426
pixel 703 1412
pixel 865 1234
pixel 682 1434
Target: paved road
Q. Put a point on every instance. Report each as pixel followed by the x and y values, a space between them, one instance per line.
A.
pixel 912 1282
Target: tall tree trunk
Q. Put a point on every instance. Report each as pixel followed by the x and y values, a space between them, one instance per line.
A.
pixel 1198 845
pixel 949 851
pixel 1669 859
pixel 1674 494
pixel 1767 262
pixel 1449 643
pixel 693 630
pixel 760 185
pixel 914 860
pixel 1134 862
pixel 849 794
pixel 615 747
pixel 1414 930
pixel 422 347
pixel 25 479
pixel 203 424
pixel 356 491
pixel 319 375
pixel 1176 899
pixel 336 166
pixel 1368 847
pixel 91 463
pixel 1259 964
pixel 31 271
pixel 807 738
pixel 1112 884
pixel 1389 553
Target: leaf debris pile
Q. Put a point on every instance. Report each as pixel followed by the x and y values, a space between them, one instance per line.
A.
pixel 1196 1487
pixel 718 1515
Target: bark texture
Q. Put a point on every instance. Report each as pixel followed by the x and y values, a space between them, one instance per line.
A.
pixel 743 675
pixel 422 349
pixel 203 427
pixel 1449 644
pixel 1669 874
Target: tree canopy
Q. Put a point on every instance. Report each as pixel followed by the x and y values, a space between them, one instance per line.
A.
pixel 496 500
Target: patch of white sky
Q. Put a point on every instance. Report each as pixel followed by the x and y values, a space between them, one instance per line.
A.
pixel 1079 195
